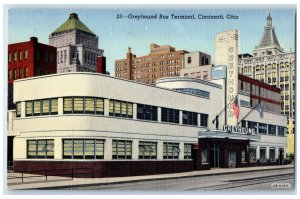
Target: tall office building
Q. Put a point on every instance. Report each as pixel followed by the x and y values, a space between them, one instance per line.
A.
pixel 77 46
pixel 272 65
pixel 163 61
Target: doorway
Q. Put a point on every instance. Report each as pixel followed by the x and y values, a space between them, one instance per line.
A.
pixel 215 155
pixel 231 158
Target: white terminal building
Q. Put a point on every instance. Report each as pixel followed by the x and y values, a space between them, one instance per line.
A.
pixel 124 128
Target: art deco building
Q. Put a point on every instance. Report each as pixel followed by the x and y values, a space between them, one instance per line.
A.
pixel 272 65
pixel 163 61
pixel 77 46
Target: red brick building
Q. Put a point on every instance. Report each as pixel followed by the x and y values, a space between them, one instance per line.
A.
pixel 28 59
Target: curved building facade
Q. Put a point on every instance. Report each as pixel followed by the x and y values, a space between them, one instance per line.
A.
pixel 117 127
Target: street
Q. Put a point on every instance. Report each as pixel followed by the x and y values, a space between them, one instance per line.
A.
pixel 271 180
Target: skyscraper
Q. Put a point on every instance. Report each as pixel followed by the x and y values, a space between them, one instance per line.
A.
pixel 271 64
pixel 77 46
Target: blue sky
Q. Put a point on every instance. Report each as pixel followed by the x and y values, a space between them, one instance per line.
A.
pixel 116 35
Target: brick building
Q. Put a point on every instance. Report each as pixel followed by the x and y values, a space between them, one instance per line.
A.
pixel 163 61
pixel 29 59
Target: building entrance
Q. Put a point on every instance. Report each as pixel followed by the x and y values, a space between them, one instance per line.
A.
pixel 231 158
pixel 215 155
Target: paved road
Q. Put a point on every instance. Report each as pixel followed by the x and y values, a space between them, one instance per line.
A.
pixel 272 180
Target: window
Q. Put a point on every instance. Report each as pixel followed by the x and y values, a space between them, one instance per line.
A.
pixel 244 123
pixel 204 155
pixel 26 72
pixel 54 106
pixel 262 128
pixel 271 129
pixel 29 108
pixel 171 150
pixel 15 56
pixel 146 112
pixel 89 104
pixel 147 150
pixel 272 155
pixel 9 57
pixel 169 115
pixel 189 60
pixel 121 149
pixel 189 118
pixel 15 73
pixel 40 149
pixel 20 72
pixel 243 155
pixel 37 55
pixel 45 107
pixel 26 54
pixel 18 109
pixel 252 154
pixel 120 108
pixel 83 149
pixel 204 120
pixel 68 107
pixel 37 107
pixel 99 106
pixel 197 92
pixel 9 74
pixel 78 104
pixel 281 130
pixel 20 55
pixel 187 151
pixel 252 125
pixel 245 103
pixel 46 56
pixel 262 153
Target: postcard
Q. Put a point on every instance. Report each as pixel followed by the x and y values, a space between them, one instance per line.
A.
pixel 159 99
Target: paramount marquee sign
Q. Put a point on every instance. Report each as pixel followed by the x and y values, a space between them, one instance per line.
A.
pixel 238 129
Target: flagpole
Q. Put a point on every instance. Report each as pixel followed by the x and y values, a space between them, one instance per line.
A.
pixel 225 108
pixel 217 116
pixel 248 113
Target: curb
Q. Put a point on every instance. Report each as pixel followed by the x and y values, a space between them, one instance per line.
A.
pixel 153 179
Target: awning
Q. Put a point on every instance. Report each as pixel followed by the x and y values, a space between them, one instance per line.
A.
pixel 224 135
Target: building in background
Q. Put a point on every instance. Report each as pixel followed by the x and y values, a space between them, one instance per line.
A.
pixel 272 65
pixel 77 47
pixel 197 65
pixel 101 64
pixel 29 59
pixel 163 61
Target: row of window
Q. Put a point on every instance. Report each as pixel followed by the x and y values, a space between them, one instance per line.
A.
pixel 39 107
pixel 17 73
pixel 94 149
pixel 263 156
pixel 197 92
pixel 83 105
pixel 18 55
pixel 117 108
pixel 265 128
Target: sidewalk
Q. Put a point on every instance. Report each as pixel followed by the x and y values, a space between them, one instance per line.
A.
pixel 56 181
